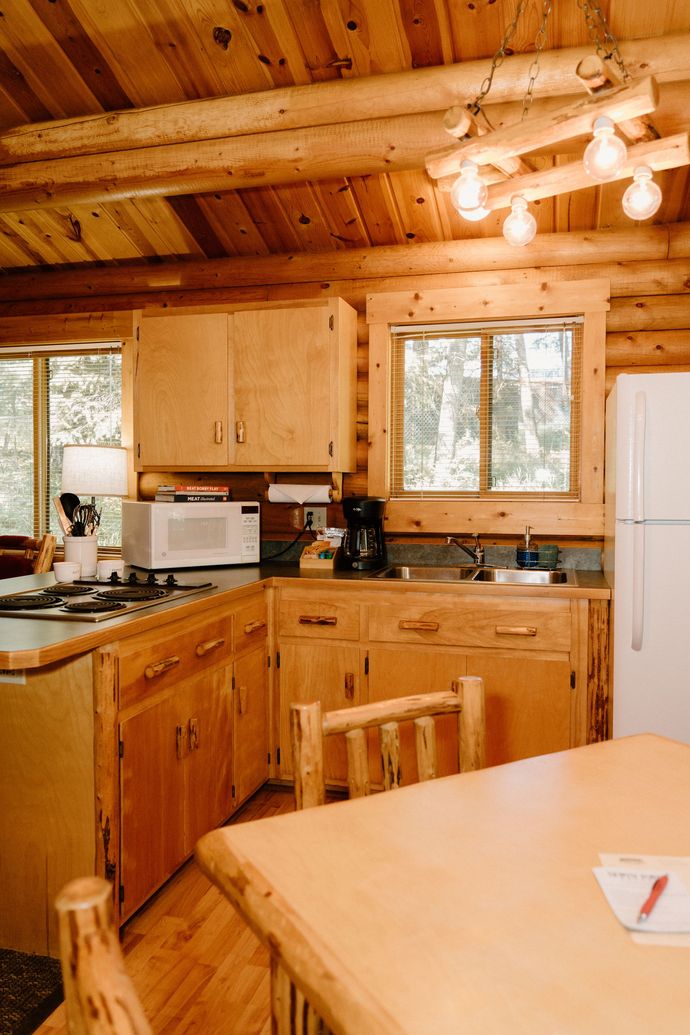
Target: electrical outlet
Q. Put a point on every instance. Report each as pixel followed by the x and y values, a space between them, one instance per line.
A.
pixel 319 517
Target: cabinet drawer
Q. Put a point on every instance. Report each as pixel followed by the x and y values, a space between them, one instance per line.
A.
pixel 251 623
pixel 318 616
pixel 537 625
pixel 159 659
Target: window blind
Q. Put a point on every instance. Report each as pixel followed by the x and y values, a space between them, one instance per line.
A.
pixel 486 410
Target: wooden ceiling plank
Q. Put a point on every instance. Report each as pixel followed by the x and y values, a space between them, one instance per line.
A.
pixel 341 213
pixel 416 203
pixel 305 215
pixel 48 248
pixel 233 224
pixel 32 49
pixel 188 210
pixel 414 91
pixel 289 35
pixel 348 29
pixel 15 253
pixel 18 102
pixel 270 219
pixel 423 33
pixel 124 222
pixel 376 202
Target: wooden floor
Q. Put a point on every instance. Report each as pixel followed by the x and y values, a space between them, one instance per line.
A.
pixel 195 964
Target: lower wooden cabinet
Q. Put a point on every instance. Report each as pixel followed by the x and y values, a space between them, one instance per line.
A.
pixel 531 651
pixel 193 738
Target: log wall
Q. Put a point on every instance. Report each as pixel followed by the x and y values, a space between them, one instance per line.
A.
pixel 648 326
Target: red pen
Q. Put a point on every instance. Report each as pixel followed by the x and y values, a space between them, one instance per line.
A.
pixel 653 897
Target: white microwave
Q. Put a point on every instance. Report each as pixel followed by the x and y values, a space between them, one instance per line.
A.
pixel 190 535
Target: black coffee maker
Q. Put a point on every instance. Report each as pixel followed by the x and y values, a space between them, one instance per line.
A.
pixel 363 546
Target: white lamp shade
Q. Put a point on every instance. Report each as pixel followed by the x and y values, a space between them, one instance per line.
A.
pixel 94 470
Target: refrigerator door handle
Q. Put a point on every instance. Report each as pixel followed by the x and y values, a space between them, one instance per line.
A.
pixel 639 431
pixel 637 587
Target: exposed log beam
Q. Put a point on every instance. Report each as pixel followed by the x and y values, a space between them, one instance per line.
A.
pixel 357 149
pixel 327 103
pixel 636 244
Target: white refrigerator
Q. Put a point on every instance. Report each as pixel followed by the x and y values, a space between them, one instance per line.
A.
pixel 647 552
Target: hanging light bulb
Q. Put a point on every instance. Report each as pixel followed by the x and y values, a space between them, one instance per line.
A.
pixel 520 226
pixel 643 196
pixel 605 155
pixel 469 192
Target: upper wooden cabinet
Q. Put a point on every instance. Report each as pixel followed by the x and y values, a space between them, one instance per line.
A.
pixel 272 388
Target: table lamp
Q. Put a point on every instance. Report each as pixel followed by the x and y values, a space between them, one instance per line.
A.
pixel 91 471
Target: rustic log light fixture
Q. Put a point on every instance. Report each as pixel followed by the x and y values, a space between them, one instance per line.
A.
pixel 493 172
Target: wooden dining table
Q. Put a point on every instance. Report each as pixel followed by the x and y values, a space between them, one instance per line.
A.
pixel 468 905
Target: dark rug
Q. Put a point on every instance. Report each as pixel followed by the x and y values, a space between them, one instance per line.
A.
pixel 30 989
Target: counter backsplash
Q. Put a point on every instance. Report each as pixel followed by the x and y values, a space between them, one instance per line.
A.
pixel 580 558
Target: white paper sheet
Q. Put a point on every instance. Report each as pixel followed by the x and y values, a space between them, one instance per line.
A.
pixel 669 923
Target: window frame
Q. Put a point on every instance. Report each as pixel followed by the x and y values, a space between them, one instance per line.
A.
pixel 586 298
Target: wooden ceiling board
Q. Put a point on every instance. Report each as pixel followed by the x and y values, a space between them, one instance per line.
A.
pixel 346 186
pixel 232 223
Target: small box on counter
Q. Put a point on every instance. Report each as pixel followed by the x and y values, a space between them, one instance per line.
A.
pixel 319 554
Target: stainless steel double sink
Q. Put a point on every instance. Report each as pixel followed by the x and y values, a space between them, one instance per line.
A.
pixel 472 573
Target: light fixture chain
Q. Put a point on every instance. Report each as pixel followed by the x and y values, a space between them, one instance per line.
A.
pixel 601 36
pixel 497 60
pixel 539 42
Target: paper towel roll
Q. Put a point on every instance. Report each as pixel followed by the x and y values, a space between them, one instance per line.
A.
pixel 286 493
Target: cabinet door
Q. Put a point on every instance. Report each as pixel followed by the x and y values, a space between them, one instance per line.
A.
pixel 206 707
pixel 330 673
pixel 398 671
pixel 251 723
pixel 152 800
pixel 282 377
pixel 527 705
pixel 181 391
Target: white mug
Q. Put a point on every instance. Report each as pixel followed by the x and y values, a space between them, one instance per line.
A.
pixel 104 569
pixel 66 571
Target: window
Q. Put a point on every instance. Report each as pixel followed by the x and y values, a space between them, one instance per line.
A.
pixel 486 411
pixel 486 405
pixel 51 396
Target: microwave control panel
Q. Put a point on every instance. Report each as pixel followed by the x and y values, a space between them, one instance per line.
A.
pixel 251 539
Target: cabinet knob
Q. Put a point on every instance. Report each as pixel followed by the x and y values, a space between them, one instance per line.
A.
pixel 318 620
pixel 516 630
pixel 218 432
pixel 208 646
pixel 239 431
pixel 406 623
pixel 160 667
pixel 349 685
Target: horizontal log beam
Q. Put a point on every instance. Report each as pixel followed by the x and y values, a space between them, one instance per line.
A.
pixel 652 313
pixel 381 96
pixel 357 149
pixel 483 259
pixel 648 348
pixel 667 153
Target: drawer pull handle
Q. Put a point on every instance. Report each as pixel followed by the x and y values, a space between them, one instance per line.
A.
pixel 349 685
pixel 208 646
pixel 516 630
pixel 193 734
pixel 318 620
pixel 239 432
pixel 218 432
pixel 181 741
pixel 160 667
pixel 242 700
pixel 405 623
pixel 251 627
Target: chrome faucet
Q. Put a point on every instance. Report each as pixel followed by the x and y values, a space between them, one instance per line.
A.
pixel 476 552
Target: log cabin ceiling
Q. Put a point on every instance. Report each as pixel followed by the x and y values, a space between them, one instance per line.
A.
pixel 327 109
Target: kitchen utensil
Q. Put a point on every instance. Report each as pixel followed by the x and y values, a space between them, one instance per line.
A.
pixel 85 519
pixel 64 522
pixel 69 501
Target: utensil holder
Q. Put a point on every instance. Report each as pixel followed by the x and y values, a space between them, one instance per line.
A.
pixel 83 549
